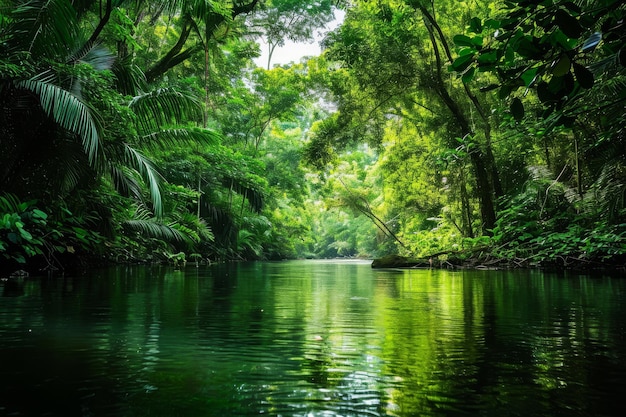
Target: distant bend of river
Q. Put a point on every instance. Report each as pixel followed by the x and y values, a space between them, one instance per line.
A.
pixel 312 338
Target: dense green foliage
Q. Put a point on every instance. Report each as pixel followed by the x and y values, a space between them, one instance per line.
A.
pixel 144 132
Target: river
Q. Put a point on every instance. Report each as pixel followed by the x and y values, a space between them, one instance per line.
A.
pixel 312 338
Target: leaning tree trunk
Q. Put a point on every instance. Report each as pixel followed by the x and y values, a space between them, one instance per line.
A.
pixel 477 158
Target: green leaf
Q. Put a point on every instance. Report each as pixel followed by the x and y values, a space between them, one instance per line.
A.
pixel 568 24
pixel 504 92
pixel 164 105
pixel 476 25
pixel 461 63
pixel 168 138
pixel 509 55
pixel 517 109
pixel 146 168
pixel 463 40
pixel 40 214
pixel 488 57
pixel 492 24
pixel 583 75
pixel 544 94
pixel 468 75
pixel 526 47
pixel 561 66
pixel 529 76
pixel 25 234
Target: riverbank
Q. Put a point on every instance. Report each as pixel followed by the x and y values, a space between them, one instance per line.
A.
pixel 485 260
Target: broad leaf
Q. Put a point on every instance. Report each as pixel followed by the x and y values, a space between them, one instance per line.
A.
pixel 517 109
pixel 583 75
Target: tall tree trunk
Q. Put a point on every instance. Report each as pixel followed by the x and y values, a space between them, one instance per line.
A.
pixel 489 159
pixel 483 185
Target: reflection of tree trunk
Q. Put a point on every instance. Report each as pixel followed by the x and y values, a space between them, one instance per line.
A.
pixel 483 186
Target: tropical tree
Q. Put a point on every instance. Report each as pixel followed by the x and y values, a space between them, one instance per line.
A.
pixel 69 138
pixel 560 67
pixel 278 21
pixel 388 72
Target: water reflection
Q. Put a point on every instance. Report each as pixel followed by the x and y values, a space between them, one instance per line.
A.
pixel 312 339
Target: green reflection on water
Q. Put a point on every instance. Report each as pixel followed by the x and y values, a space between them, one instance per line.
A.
pixel 314 338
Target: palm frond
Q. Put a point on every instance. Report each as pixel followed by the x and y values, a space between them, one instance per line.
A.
pixel 130 79
pixel 199 226
pixel 74 167
pixel 165 106
pixel 149 173
pixel 45 27
pixel 247 240
pixel 153 229
pixel 608 193
pixel 124 182
pixel 67 111
pixel 165 138
pixel 255 197
pixel 220 219
pixel 95 55
pixel 9 203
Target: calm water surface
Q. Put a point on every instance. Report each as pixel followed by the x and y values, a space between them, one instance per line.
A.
pixel 313 338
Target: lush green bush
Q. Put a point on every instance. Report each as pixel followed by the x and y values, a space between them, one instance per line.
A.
pixel 31 235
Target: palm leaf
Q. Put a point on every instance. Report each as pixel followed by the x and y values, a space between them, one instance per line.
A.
pixel 45 27
pixel 124 182
pixel 130 79
pixel 149 173
pixel 153 229
pixel 255 197
pixel 97 56
pixel 69 164
pixel 197 225
pixel 9 203
pixel 67 111
pixel 167 138
pixel 163 106
pixel 142 222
